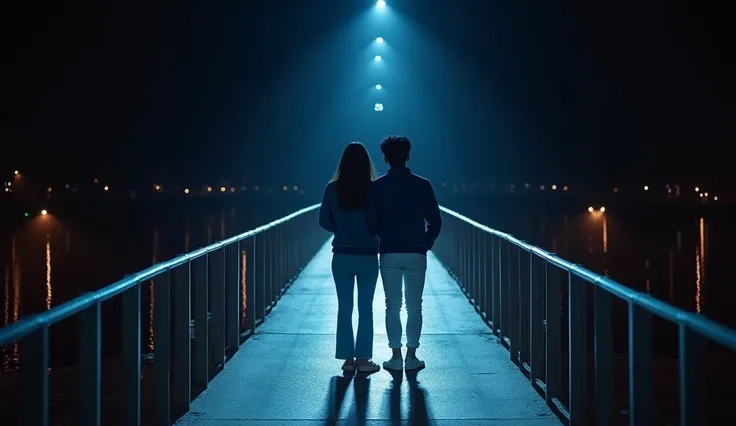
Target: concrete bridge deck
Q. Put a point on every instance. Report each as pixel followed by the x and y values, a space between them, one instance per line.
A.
pixel 287 375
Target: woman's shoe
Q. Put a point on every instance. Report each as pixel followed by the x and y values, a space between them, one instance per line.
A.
pixel 367 366
pixel 348 366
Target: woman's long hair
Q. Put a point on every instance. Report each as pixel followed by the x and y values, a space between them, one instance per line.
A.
pixel 353 177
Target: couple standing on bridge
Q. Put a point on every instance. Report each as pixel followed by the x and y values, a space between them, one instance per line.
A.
pixel 395 216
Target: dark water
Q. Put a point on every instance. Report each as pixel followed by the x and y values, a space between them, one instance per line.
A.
pixel 49 260
pixel 682 259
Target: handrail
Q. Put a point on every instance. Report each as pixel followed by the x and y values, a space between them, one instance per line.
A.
pixel 720 334
pixel 32 323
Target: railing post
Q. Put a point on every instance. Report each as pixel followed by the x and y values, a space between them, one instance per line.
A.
pixel 200 298
pixel 603 325
pixel 181 379
pixel 552 355
pixel 525 275
pixel 90 366
pixel 162 348
pixel 538 279
pixel 496 284
pixel 693 376
pixel 263 278
pixel 34 378
pixel 131 340
pixel 514 319
pixel 487 280
pixel 217 306
pixel 250 285
pixel 232 298
pixel 640 366
pixel 577 350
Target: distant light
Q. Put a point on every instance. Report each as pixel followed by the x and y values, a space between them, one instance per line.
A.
pixel 379 40
pixel 223 189
pixel 209 189
pixel 603 209
pixel 554 187
pixel 590 209
pixel 16 172
pixel 49 189
pixel 296 188
pixel 257 188
pixel 25 214
pixel 96 180
pixel 615 189
pixel 232 189
pixel 541 188
pixel 186 191
pixel 106 188
pixel 646 188
pixel 379 87
pixel 697 189
pixel 705 195
pixel 378 58
pixel 701 195
pixel 158 187
pixel 715 198
pixel 285 188
pixel 66 186
pixel 381 4
pixel 44 212
pixel 378 107
pixel 526 185
pixel 564 188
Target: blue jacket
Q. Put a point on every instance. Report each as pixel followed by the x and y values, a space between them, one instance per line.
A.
pixel 404 212
pixel 352 234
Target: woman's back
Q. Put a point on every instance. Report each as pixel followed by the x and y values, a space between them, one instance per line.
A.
pixel 350 227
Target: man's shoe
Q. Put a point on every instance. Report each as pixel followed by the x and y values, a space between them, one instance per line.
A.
pixel 394 364
pixel 413 363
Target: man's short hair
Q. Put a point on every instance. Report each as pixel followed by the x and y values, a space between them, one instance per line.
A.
pixel 396 150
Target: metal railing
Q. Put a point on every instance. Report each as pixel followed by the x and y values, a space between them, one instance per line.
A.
pixel 517 289
pixel 198 320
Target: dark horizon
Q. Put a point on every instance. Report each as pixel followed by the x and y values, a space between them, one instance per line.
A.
pixel 273 91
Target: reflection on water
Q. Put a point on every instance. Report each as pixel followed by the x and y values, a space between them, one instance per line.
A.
pixel 605 235
pixel 700 266
pixel 48 272
pixel 151 292
pixel 6 314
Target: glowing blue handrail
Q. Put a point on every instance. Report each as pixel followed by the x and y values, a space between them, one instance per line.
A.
pixel 718 333
pixel 25 326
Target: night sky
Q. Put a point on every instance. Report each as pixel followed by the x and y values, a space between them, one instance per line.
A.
pixel 197 91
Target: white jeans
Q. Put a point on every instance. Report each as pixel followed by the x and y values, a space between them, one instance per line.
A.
pixel 410 270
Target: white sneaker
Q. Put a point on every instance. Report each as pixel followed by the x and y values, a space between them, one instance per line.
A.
pixel 368 367
pixel 395 364
pixel 412 363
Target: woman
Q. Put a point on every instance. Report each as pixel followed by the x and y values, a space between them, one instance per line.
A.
pixel 343 212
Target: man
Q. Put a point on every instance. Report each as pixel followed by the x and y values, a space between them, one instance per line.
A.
pixel 406 217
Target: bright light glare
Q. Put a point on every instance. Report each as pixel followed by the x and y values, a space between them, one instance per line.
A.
pixel 603 209
pixel 379 40
pixel 379 87
pixel 44 212
pixel 378 58
pixel 16 172
pixel 590 209
pixel 378 107
pixel 381 4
